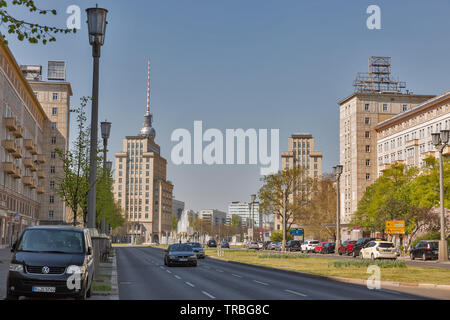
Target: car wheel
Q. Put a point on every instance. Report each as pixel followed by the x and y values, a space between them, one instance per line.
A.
pixel 340 252
pixel 194 264
pixel 354 254
pixel 346 252
pixel 412 256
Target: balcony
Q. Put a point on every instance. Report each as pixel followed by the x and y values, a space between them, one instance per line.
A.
pixel 40 189
pixel 29 144
pixel 18 173
pixel 29 181
pixel 18 153
pixel 9 167
pixel 11 124
pixel 29 163
pixel 385 166
pixel 41 158
pixel 41 174
pixel 19 132
pixel 9 145
pixel 412 143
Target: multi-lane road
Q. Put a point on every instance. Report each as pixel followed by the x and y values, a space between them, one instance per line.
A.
pixel 143 275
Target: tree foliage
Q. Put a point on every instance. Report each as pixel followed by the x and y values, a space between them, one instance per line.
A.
pixel 33 32
pixel 404 193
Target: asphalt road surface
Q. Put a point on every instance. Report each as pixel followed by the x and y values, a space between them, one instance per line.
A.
pixel 142 275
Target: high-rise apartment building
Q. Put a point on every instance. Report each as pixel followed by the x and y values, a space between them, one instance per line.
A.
pixel 376 98
pixel 301 154
pixel 25 150
pixel 140 183
pixel 246 212
pixel 54 97
pixel 214 216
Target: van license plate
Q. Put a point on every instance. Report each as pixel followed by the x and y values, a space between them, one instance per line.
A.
pixel 44 289
pixel 183 259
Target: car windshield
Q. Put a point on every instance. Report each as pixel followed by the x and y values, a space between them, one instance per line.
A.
pixel 313 242
pixel 195 244
pixel 55 241
pixel 180 247
pixel 386 245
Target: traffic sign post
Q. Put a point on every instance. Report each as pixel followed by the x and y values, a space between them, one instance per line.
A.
pixel 298 232
pixel 395 227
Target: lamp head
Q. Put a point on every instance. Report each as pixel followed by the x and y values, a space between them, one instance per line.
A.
pixel 253 197
pixel 106 129
pixel 436 139
pixel 445 136
pixel 108 165
pixel 96 20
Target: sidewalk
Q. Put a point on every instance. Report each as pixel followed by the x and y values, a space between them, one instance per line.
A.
pixel 5 257
pixel 107 278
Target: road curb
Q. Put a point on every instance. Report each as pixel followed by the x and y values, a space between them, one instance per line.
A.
pixel 346 280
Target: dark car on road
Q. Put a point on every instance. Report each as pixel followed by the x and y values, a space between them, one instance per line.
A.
pixel 293 245
pixel 328 247
pixel 211 243
pixel 51 261
pixel 180 254
pixel 359 245
pixel 346 247
pixel 425 249
pixel 198 249
pixel 225 244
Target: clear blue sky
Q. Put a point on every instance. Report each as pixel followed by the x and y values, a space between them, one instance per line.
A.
pixel 242 64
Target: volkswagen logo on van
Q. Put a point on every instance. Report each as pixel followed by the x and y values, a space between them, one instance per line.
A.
pixel 45 270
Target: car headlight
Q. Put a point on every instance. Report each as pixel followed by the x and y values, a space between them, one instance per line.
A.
pixel 172 257
pixel 75 269
pixel 16 267
pixel 192 257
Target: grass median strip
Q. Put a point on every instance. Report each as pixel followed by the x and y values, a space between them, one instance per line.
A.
pixel 101 286
pixel 396 271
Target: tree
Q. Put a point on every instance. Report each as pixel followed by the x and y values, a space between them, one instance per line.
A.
pixel 33 32
pixel 106 206
pixel 321 209
pixel 277 236
pixel 73 185
pixel 174 224
pixel 285 194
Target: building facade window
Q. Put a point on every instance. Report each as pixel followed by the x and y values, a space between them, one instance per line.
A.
pixel 54 111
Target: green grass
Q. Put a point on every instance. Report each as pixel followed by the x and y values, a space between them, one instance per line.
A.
pixel 105 276
pixel 101 286
pixel 367 262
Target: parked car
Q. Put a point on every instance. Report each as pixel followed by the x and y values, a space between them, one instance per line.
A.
pixel 45 257
pixel 318 248
pixel 225 244
pixel 328 247
pixel 266 245
pixel 309 245
pixel 198 249
pixel 347 247
pixel 180 254
pixel 278 246
pixel 293 245
pixel 379 250
pixel 260 245
pixel 272 245
pixel 359 244
pixel 253 245
pixel 425 249
pixel 211 243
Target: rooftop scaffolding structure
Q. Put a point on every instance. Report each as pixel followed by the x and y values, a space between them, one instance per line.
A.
pixel 379 78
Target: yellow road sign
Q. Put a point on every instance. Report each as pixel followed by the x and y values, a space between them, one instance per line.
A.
pixel 396 226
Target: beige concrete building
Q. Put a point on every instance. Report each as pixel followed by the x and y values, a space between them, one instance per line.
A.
pixel 406 137
pixel 54 97
pixel 377 98
pixel 301 153
pixel 141 186
pixel 24 150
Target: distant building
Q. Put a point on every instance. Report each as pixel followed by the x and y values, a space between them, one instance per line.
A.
pixel 246 212
pixel 177 208
pixel 214 216
pixel 229 218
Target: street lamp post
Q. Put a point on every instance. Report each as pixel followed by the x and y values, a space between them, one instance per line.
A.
pixel 440 141
pixel 338 171
pixel 96 20
pixel 106 130
pixel 252 197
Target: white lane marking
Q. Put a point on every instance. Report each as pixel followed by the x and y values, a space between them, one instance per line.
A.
pixel 208 294
pixel 263 283
pixel 168 271
pixel 178 277
pixel 162 267
pixel 218 270
pixel 189 284
pixel 295 292
pixel 236 275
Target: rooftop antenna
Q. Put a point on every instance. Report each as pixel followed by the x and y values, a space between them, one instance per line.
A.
pixel 148 88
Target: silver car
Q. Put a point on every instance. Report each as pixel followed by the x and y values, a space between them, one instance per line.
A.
pixel 253 245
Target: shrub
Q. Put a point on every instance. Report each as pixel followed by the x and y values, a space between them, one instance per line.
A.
pixel 277 236
pixel 364 263
pixel 282 256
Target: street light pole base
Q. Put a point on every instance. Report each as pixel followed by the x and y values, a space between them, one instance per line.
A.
pixel 443 251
